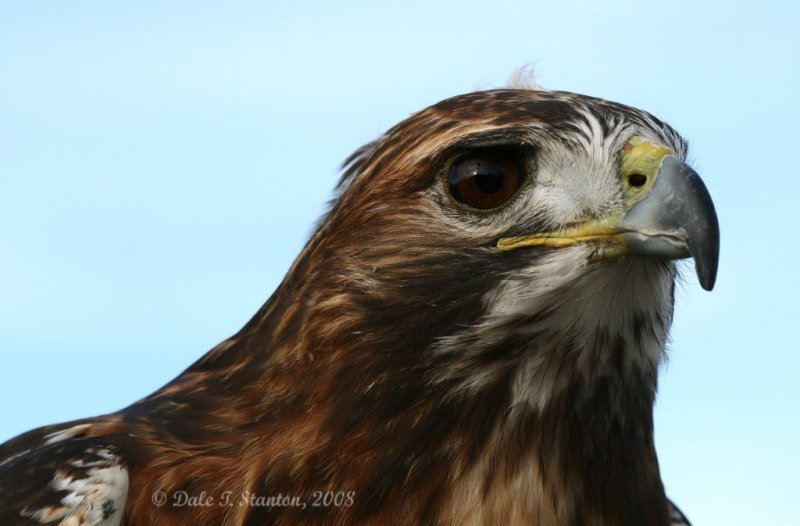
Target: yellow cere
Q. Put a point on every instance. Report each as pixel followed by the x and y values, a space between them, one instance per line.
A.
pixel 641 156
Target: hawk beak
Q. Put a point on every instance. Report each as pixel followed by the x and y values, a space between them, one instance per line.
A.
pixel 676 219
pixel 670 217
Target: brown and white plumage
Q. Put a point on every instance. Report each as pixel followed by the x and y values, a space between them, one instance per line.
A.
pixel 430 361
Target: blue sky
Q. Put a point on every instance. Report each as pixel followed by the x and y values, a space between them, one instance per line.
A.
pixel 161 164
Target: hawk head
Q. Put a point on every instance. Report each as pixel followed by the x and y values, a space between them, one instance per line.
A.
pixel 495 231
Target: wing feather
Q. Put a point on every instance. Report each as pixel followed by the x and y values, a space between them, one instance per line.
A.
pixel 63 480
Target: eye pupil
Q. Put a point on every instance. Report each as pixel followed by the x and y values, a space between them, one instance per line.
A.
pixel 485 179
pixel 489 180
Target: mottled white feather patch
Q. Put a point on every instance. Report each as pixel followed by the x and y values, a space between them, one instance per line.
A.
pixel 96 487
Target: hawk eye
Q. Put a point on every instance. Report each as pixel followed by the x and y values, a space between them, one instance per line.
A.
pixel 485 179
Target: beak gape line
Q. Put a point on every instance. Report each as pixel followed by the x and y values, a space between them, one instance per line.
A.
pixel 670 215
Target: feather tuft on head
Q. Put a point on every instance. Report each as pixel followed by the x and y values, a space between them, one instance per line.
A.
pixel 524 77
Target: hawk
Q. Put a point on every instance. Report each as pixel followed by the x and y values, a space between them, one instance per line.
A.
pixel 472 335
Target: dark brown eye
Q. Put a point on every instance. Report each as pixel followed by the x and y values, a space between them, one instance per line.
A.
pixel 485 179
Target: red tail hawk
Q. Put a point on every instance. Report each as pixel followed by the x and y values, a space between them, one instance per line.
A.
pixel 471 336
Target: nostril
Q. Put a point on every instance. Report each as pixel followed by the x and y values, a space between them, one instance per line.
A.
pixel 637 179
